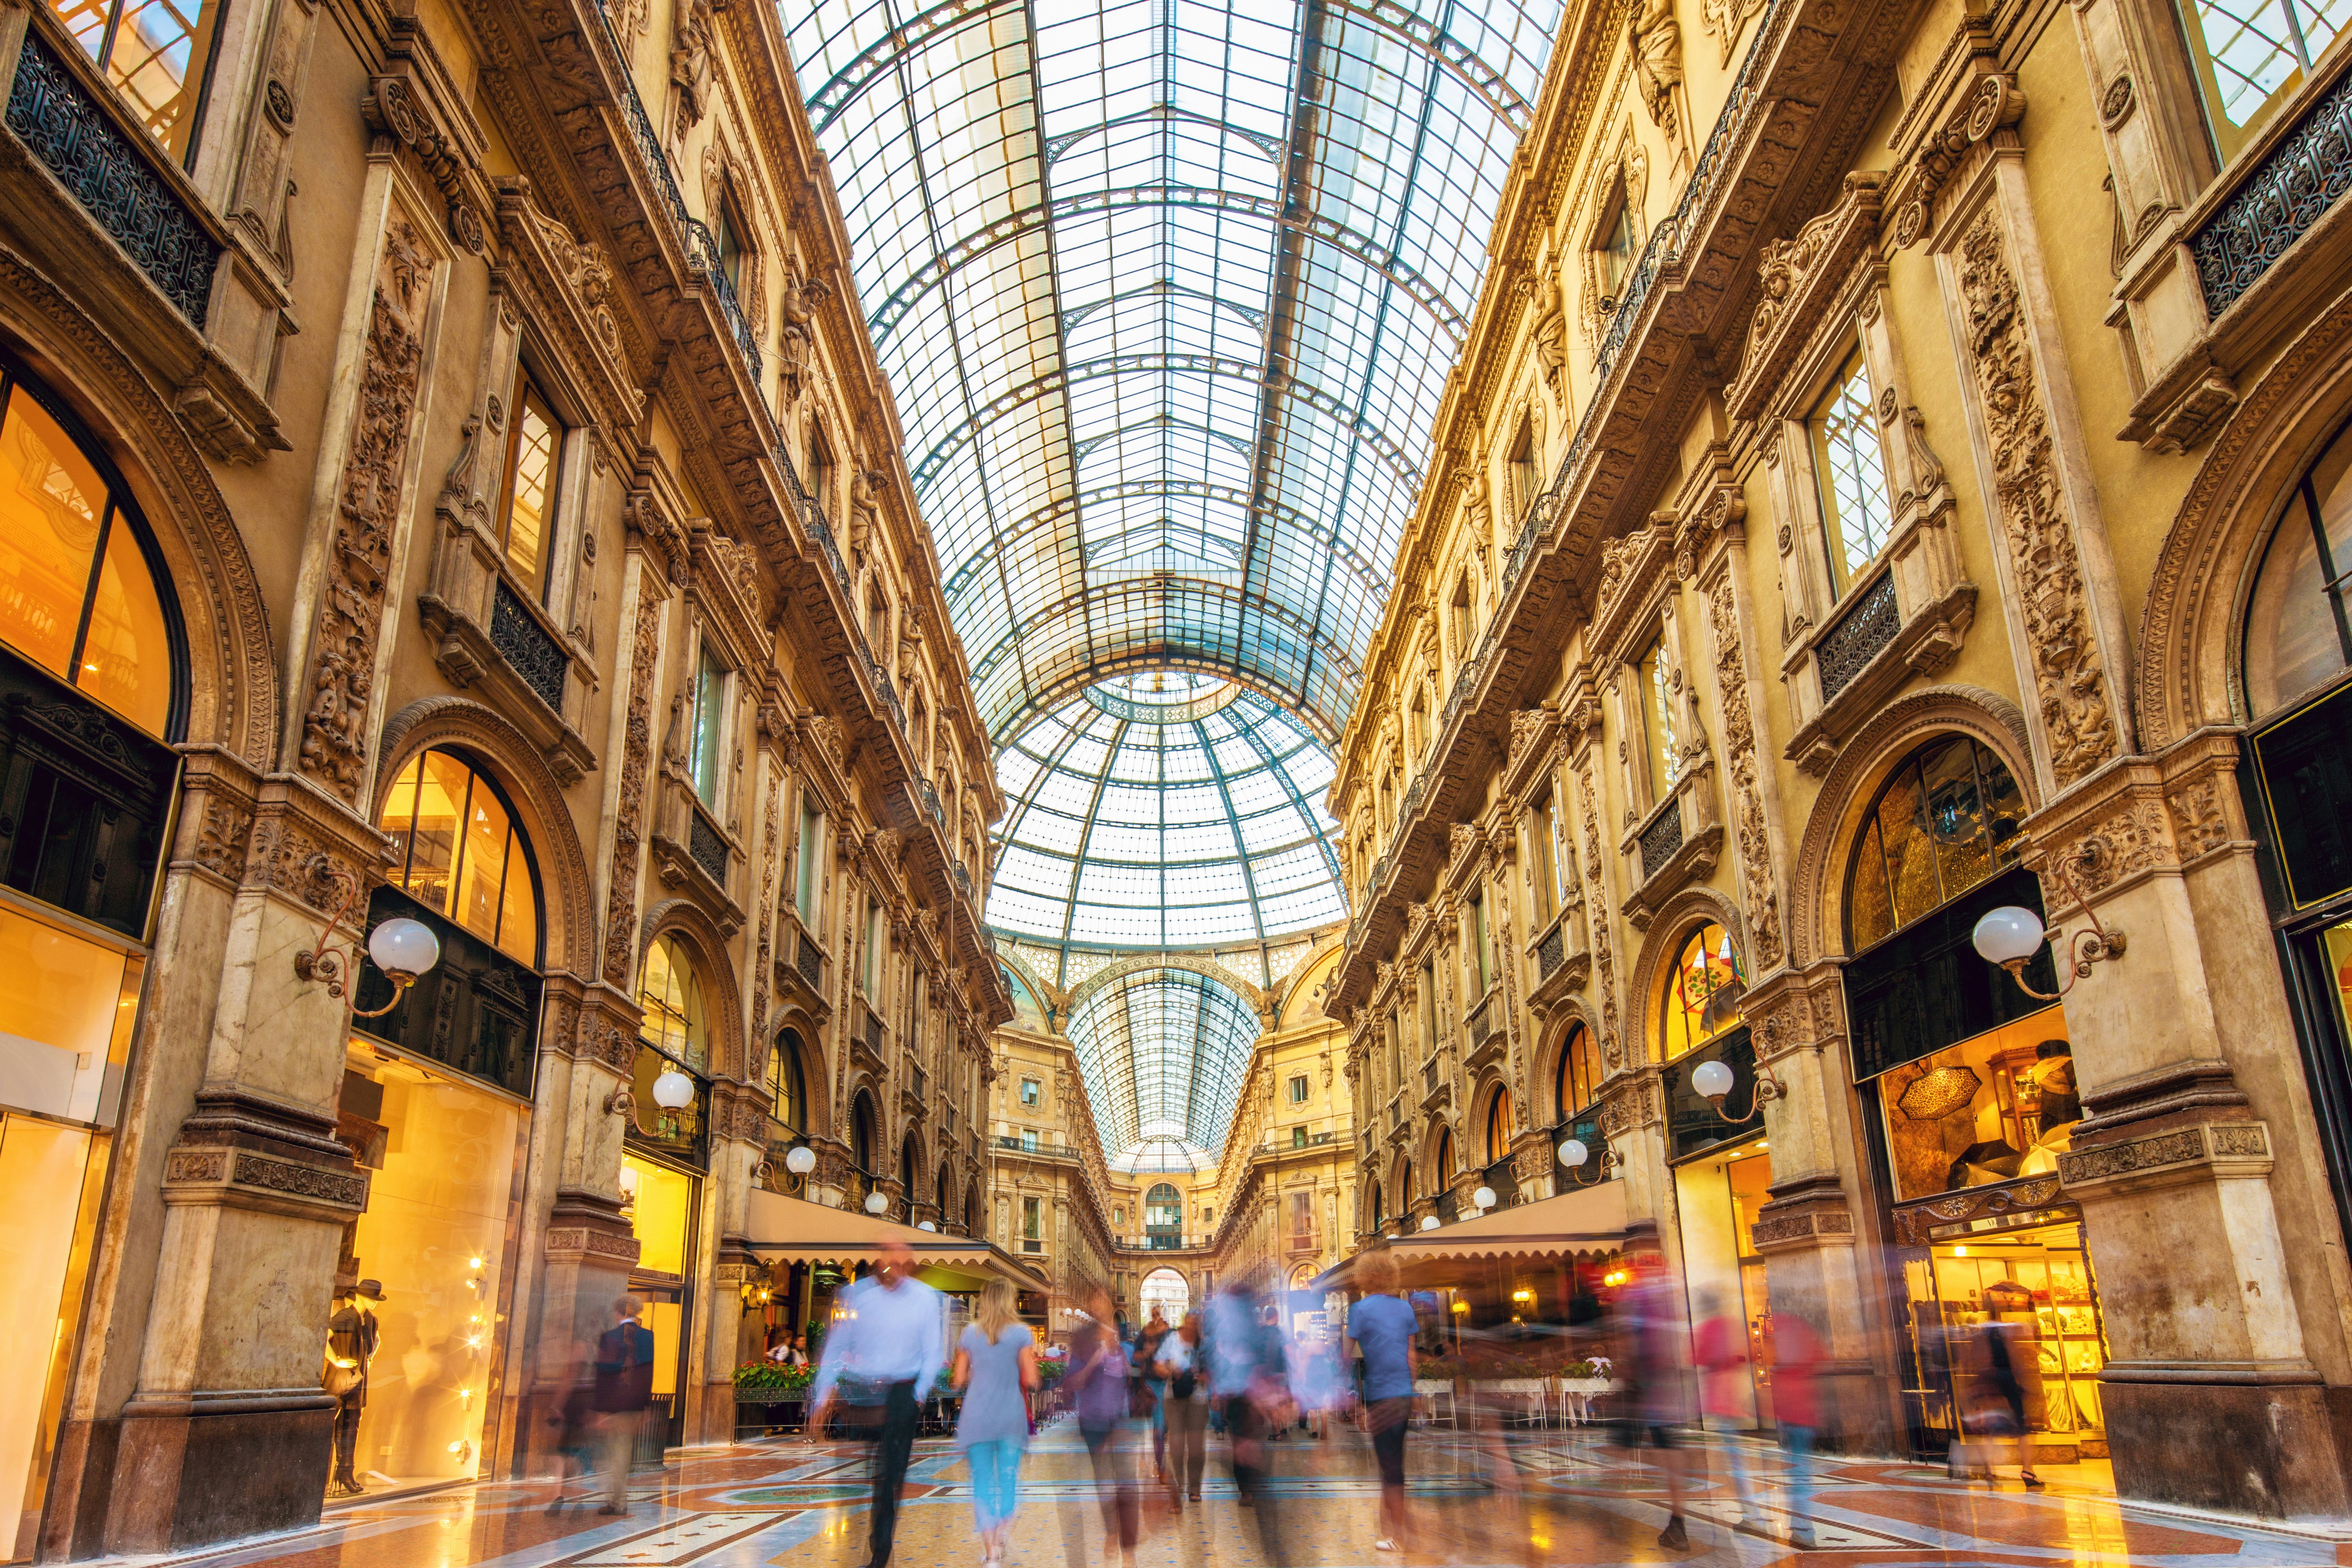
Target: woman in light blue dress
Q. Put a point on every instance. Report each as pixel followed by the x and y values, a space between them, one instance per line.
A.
pixel 995 1365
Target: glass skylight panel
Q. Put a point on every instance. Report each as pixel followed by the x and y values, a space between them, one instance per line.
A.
pixel 1152 145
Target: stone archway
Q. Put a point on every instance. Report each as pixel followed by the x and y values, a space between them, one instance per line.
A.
pixel 722 1001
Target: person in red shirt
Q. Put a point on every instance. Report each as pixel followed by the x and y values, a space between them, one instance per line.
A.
pixel 1719 1351
pixel 1796 1405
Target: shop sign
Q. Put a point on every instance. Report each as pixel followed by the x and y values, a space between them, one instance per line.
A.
pixel 476 1010
pixel 2302 767
pixel 1925 987
pixel 1694 1125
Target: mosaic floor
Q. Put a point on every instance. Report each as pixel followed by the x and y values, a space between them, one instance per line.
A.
pixel 1576 1500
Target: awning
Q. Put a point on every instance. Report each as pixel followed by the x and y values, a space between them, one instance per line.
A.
pixel 1580 1220
pixel 793 1230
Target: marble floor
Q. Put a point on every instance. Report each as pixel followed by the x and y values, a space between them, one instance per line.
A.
pixel 1545 1497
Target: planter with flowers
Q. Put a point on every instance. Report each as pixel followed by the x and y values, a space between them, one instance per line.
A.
pixel 1582 1382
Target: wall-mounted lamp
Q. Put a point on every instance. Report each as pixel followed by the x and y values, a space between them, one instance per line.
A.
pixel 876 1203
pixel 672 1091
pixel 1429 1222
pixel 1485 1198
pixel 1713 1079
pixel 2010 936
pixel 1573 1155
pixel 926 1225
pixel 402 948
pixel 1614 1279
pixel 799 1159
pixel 627 1182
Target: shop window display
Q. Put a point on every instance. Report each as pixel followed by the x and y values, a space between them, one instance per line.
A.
pixel 1998 1107
pixel 425 1265
pixel 2036 1286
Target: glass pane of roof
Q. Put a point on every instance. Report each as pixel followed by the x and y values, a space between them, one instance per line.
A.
pixel 1166 293
pixel 1162 1052
pixel 1166 810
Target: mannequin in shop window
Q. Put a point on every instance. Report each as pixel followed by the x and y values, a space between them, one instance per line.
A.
pixel 351 1337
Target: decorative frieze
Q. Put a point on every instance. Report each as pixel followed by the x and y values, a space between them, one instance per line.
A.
pixel 2207 1152
pixel 637 762
pixel 1750 831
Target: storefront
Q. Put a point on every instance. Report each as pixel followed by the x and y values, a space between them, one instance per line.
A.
pixel 93 682
pixel 435 1107
pixel 1721 1161
pixel 2296 780
pixel 1970 1097
pixel 666 1154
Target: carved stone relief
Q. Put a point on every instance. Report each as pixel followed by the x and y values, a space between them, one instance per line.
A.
pixel 337 702
pixel 2070 677
pixel 1764 940
pixel 636 759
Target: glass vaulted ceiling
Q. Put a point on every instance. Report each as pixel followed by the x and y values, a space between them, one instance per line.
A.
pixel 1165 810
pixel 1166 292
pixel 1163 1052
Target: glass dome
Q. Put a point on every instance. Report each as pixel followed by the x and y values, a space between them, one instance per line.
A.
pixel 1165 809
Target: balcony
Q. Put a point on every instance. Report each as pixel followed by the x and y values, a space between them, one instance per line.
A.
pixel 869 1040
pixel 1486 1036
pixel 914 1087
pixel 1036 1150
pixel 1301 1241
pixel 1561 958
pixel 1305 1142
pixel 93 199
pixel 1160 1241
pixel 503 642
pixel 694 855
pixel 803 972
pixel 1676 845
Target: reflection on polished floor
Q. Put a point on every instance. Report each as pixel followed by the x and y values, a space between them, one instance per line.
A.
pixel 796 1503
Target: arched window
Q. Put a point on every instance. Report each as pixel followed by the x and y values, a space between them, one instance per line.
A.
pixel 1444 1161
pixel 1375 1205
pixel 83 591
pixel 1579 1077
pixel 787 1083
pixel 945 1198
pixel 1405 1193
pixel 1499 1127
pixel 670 997
pixel 1163 1208
pixel 906 1160
pixel 1945 821
pixel 2298 627
pixel 460 854
pixel 1703 993
pixel 862 1131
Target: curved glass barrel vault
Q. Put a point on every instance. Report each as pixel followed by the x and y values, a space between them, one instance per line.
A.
pixel 1167 294
pixel 1162 1052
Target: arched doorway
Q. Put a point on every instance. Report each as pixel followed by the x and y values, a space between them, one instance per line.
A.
pixel 1968 1087
pixel 434 1101
pixel 1167 1290
pixel 94 682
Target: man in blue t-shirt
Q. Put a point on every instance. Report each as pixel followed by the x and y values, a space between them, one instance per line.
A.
pixel 1383 1328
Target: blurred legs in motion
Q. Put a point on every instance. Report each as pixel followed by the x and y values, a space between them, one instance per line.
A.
pixel 1187 1446
pixel 1252 1428
pixel 1388 1420
pixel 1122 1513
pixel 1797 1442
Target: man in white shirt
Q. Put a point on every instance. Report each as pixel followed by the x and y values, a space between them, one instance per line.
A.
pixel 882 1355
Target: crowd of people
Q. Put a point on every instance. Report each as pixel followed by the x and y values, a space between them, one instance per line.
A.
pixel 1230 1367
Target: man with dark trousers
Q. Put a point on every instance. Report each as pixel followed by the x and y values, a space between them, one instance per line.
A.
pixel 882 1355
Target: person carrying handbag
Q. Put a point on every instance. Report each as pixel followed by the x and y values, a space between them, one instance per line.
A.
pixel 624 1386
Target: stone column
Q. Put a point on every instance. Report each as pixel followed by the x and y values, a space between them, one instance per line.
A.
pixel 2210 1220
pixel 228 1432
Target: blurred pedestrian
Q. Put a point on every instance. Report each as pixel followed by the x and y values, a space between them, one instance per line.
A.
pixel 1248 1378
pixel 1382 1327
pixel 624 1386
pixel 1796 1409
pixel 1726 1391
pixel 1144 1361
pixel 1656 1370
pixel 1186 1406
pixel 575 1420
pixel 1097 1384
pixel 882 1355
pixel 995 1366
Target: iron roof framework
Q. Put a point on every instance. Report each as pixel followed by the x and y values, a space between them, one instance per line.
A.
pixel 1168 811
pixel 1167 292
pixel 1163 1053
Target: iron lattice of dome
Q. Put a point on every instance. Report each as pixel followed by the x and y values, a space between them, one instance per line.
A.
pixel 1167 810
